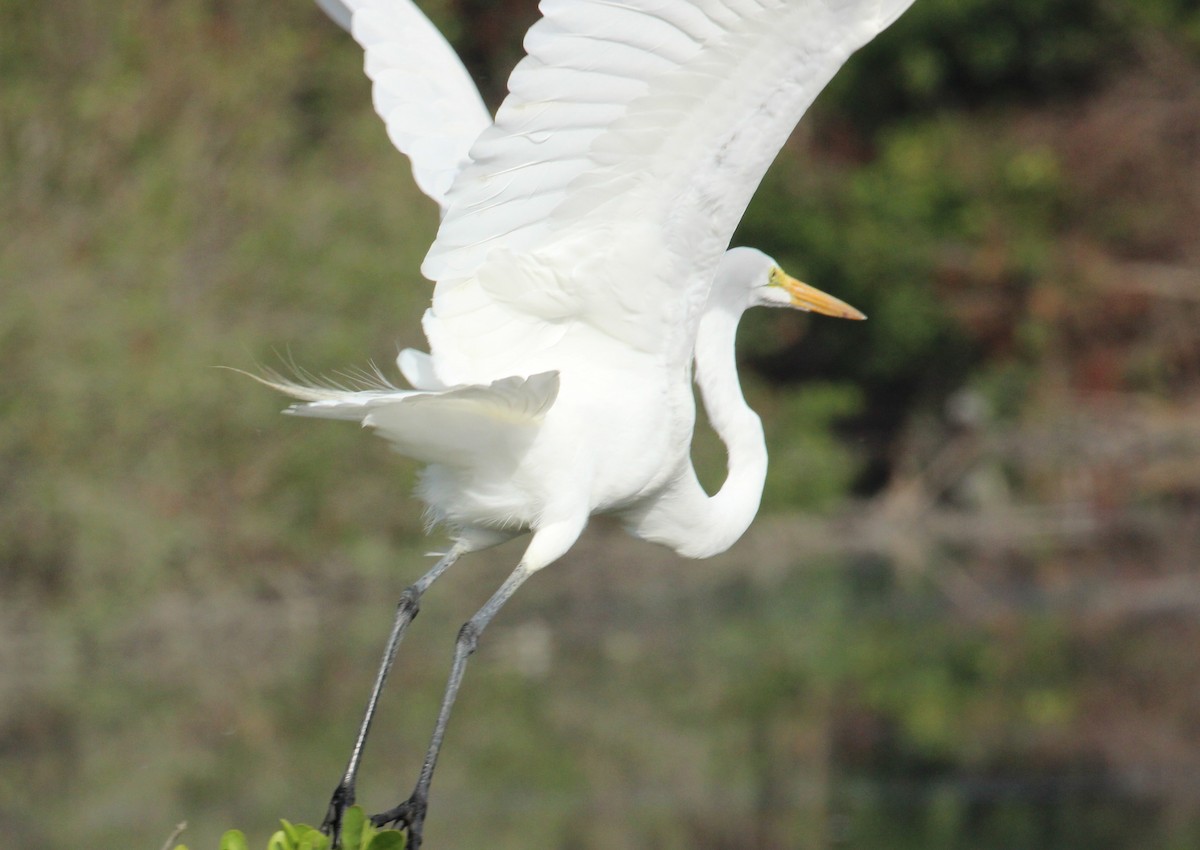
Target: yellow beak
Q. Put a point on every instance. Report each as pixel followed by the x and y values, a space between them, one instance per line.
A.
pixel 813 300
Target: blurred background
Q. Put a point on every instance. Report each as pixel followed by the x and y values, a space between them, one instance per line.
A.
pixel 966 618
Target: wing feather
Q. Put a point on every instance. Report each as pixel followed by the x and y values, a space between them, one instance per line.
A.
pixel 633 137
pixel 426 98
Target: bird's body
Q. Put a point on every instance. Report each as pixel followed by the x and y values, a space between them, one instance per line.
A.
pixel 582 275
pixel 600 426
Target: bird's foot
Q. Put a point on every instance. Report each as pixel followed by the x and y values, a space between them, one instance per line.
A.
pixel 342 799
pixel 410 815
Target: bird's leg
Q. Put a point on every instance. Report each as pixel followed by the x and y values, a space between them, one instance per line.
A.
pixel 406 610
pixel 411 813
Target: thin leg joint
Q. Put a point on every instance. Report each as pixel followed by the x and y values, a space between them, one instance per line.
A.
pixel 468 637
pixel 410 599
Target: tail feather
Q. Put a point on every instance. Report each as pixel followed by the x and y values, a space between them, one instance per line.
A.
pixel 467 426
pixel 326 399
pixel 460 426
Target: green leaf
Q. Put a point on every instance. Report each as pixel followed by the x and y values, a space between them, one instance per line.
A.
pixel 292 832
pixel 310 838
pixel 354 819
pixel 392 839
pixel 233 839
pixel 279 841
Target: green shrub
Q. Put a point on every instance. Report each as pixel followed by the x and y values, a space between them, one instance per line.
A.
pixel 357 834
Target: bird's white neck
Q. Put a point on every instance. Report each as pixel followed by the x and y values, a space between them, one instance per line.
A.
pixel 726 515
pixel 684 517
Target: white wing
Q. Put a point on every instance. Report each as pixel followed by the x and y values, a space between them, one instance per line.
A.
pixel 635 133
pixel 421 90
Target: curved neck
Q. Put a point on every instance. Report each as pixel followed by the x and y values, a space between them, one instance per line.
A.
pixel 726 515
pixel 683 516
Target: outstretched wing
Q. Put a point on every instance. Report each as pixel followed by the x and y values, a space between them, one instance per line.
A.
pixel 421 90
pixel 634 135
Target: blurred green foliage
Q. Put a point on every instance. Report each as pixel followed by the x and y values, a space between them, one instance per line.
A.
pixel 945 54
pixel 915 724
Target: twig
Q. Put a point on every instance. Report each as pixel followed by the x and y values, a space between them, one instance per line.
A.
pixel 170 842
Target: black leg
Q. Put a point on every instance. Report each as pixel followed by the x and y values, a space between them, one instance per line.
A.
pixel 406 610
pixel 411 813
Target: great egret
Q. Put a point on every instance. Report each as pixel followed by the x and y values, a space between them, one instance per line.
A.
pixel 580 270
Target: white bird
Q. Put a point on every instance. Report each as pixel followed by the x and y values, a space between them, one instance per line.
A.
pixel 581 268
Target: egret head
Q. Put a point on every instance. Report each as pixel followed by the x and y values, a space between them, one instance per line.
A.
pixel 749 274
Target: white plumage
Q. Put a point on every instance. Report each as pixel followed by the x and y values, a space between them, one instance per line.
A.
pixel 426 98
pixel 581 269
